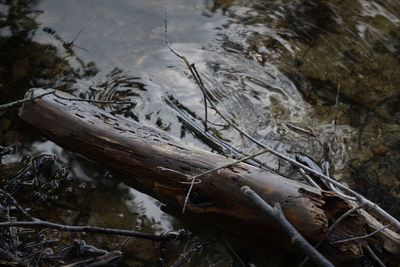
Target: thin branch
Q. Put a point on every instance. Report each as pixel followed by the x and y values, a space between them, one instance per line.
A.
pixel 194 178
pixel 276 214
pixel 336 190
pixel 308 178
pixel 35 222
pixel 26 99
pixel 260 152
pixel 169 236
pixel 166 37
pixel 188 194
pixel 198 77
pixel 215 143
pixel 372 254
pixel 330 229
pixel 53 92
pixel 342 217
pixel 17 205
pixel 335 120
pixel 360 237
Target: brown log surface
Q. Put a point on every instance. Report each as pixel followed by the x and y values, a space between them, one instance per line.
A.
pixel 158 164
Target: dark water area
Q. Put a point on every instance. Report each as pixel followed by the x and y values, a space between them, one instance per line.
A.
pixel 318 77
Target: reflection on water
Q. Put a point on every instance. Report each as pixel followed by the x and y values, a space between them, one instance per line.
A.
pixel 318 77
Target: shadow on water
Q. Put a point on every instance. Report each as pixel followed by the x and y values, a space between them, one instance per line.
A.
pixel 318 77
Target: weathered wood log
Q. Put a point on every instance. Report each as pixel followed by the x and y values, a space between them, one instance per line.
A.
pixel 160 165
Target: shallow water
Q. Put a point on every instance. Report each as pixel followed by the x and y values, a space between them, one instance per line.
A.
pixel 300 76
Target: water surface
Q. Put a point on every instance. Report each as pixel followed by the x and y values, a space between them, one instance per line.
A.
pixel 317 77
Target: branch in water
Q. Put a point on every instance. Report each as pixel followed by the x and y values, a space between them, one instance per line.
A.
pixel 54 92
pixel 169 236
pixel 276 214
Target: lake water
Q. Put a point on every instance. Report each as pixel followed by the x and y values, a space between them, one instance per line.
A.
pixel 316 77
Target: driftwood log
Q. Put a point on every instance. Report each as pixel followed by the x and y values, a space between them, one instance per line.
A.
pixel 161 166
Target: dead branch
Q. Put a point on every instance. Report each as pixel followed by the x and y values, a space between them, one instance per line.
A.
pixel 215 143
pixel 360 237
pixel 194 178
pixel 372 254
pixel 169 236
pixel 331 228
pixel 26 99
pixel 276 214
pixel 17 205
pixel 32 98
pixel 341 218
pixel 35 222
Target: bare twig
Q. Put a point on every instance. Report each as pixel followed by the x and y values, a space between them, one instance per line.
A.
pixel 308 178
pixel 342 217
pixel 333 187
pixel 360 237
pixel 53 92
pixel 194 178
pixel 17 205
pixel 276 214
pixel 260 152
pixel 198 77
pixel 372 254
pixel 26 99
pixel 330 229
pixel 35 222
pixel 335 120
pixel 212 141
pixel 169 236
